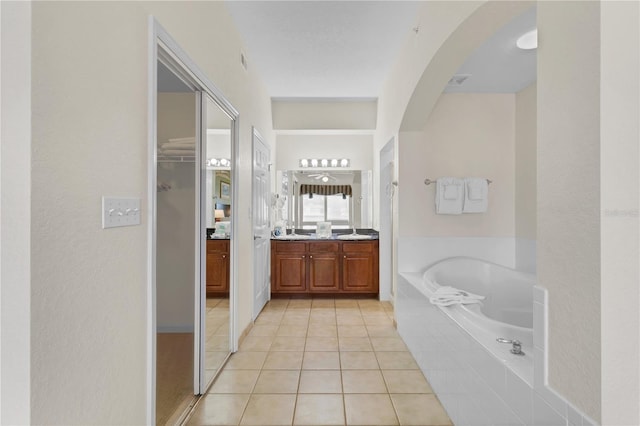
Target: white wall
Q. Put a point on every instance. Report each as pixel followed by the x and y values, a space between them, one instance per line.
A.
pixel 328 114
pixel 526 176
pixel 15 213
pixel 175 239
pixel 357 148
pixel 620 220
pixel 89 299
pixel 465 135
pixel 569 191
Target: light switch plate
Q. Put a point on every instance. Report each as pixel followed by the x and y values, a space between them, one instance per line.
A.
pixel 120 212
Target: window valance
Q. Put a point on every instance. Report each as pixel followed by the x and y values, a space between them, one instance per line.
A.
pixel 325 190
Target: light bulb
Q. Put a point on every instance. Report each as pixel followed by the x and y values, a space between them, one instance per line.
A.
pixel 324 162
pixel 334 163
pixel 344 163
pixel 528 40
pixel 314 163
pixel 304 163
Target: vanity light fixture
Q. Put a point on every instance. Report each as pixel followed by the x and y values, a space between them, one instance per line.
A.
pixel 324 162
pixel 218 162
pixel 528 40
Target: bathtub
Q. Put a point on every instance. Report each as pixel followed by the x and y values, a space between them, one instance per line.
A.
pixel 508 304
pixel 456 347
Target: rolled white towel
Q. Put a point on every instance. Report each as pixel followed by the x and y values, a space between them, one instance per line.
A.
pixel 447 296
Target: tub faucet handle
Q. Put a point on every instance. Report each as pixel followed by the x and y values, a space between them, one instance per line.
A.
pixel 517 345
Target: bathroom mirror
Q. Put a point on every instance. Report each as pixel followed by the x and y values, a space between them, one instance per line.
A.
pixel 342 197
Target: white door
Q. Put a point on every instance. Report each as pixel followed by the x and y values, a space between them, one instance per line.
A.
pixel 387 190
pixel 261 189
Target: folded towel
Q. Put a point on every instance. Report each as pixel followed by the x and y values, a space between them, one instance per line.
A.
pixel 449 195
pixel 447 296
pixel 476 197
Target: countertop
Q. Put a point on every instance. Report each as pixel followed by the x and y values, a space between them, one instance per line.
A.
pixel 334 236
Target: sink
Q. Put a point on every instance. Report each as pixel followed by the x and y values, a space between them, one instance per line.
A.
pixel 293 237
pixel 353 237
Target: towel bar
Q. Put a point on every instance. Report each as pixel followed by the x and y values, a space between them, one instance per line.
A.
pixel 428 181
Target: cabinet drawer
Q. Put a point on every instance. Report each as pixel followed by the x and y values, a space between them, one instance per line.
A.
pixel 324 247
pixel 351 247
pixel 290 247
pixel 214 246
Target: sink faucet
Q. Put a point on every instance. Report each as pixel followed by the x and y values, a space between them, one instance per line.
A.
pixel 354 230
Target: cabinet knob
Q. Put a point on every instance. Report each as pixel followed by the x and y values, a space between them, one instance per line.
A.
pixel 224 256
pixel 310 257
pixel 345 256
pixel 303 256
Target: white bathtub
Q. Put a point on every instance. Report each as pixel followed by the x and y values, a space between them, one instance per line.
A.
pixel 456 346
pixel 508 303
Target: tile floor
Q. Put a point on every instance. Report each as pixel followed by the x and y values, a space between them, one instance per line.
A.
pixel 321 362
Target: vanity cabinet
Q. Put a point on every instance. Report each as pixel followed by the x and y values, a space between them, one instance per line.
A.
pixel 324 267
pixel 217 267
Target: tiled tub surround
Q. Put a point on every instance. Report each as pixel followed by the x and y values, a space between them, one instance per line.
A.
pixel 458 357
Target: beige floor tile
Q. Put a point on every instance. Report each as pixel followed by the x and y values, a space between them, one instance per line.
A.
pixel 420 409
pixel 321 344
pixel 235 381
pixel 290 360
pixel 299 303
pixel 318 315
pixel 369 409
pixel 396 361
pixel 296 321
pixel 323 303
pixel 382 319
pixel 218 409
pixel 277 304
pixel 363 381
pixel 382 331
pixel 321 361
pixel 214 359
pixel 320 381
pixel 321 330
pixel 269 318
pixel 288 344
pixel 406 381
pixel 256 343
pixel 395 344
pixel 272 410
pixel 347 303
pixel 246 361
pixel 360 344
pixel 216 343
pixel 263 330
pixel 358 361
pixel 319 410
pixel 327 321
pixel 349 311
pixel 349 320
pixel 352 331
pixel 292 330
pixel 277 381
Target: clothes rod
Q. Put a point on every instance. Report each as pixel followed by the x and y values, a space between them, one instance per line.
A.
pixel 428 181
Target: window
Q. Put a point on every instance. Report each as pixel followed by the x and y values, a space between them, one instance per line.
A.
pixel 325 208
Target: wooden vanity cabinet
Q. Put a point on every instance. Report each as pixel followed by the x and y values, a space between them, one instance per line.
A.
pixel 329 267
pixel 217 267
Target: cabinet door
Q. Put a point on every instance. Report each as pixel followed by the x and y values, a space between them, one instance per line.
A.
pixel 217 272
pixel 289 272
pixel 360 267
pixel 324 272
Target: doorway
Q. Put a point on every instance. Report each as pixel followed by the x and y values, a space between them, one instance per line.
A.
pixel 191 329
pixel 387 192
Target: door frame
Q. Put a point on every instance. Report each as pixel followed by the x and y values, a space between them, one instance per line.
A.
pixel 162 45
pixel 387 190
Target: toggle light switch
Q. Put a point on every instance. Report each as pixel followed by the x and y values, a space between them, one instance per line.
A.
pixel 120 212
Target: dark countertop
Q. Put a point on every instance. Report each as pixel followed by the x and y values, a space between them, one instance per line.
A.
pixel 334 234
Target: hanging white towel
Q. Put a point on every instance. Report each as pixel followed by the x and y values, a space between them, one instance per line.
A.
pixel 447 296
pixel 449 195
pixel 476 195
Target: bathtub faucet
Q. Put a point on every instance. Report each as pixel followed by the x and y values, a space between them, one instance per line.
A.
pixel 517 346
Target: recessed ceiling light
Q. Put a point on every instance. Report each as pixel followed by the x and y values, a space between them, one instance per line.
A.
pixel 528 40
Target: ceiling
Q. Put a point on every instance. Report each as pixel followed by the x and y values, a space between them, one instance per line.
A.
pixel 345 49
